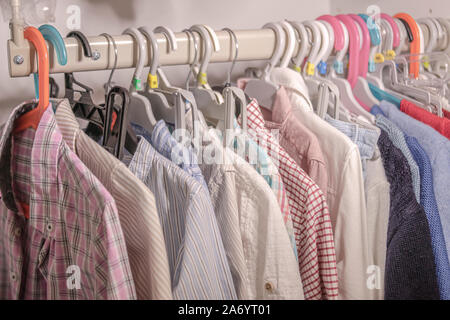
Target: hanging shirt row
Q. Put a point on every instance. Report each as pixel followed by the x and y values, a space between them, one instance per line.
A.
pixel 299 181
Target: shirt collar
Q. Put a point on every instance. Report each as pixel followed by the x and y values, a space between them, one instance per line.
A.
pixel 68 124
pixel 282 106
pixel 255 116
pixel 44 152
pixel 366 139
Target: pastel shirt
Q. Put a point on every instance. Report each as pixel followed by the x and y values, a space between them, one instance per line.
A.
pixel 441 125
pixel 398 139
pixel 312 225
pixel 258 158
pixel 346 201
pixel 437 148
pixel 365 138
pixel 298 141
pixel 238 191
pixel 68 223
pixel 136 207
pixel 428 201
pixel 197 259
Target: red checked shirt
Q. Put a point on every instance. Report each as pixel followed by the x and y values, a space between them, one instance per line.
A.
pixel 71 245
pixel 311 219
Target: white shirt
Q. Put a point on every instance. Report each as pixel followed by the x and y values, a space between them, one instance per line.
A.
pixel 271 268
pixel 377 189
pixel 345 194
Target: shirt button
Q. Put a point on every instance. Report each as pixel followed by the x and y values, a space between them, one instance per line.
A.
pixel 13 276
pixel 268 286
pixel 49 227
pixel 18 232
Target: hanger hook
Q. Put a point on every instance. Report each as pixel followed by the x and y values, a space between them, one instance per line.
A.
pixel 110 39
pixel 87 50
pixel 236 52
pixel 152 79
pixel 194 62
pixel 142 57
pixel 210 39
pixel 170 36
pixel 280 41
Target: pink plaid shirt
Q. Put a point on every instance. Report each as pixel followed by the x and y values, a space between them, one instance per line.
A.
pixel 71 246
pixel 312 224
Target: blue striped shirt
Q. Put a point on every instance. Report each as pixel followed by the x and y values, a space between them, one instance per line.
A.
pixel 197 259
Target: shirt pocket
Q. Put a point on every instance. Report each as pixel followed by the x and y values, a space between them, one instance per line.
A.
pixel 43 257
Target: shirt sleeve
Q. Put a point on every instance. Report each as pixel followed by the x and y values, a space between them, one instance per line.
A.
pixel 113 279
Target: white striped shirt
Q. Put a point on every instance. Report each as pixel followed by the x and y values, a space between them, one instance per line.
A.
pixel 136 206
pixel 197 259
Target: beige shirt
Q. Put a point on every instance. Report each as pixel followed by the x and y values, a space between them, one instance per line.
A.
pixel 377 190
pixel 136 205
pixel 271 270
pixel 345 194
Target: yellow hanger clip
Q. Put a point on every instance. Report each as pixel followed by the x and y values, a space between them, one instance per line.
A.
pixel 390 55
pixel 310 68
pixel 379 58
pixel 202 78
pixel 152 79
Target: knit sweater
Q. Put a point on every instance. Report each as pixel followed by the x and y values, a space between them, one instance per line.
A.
pixel 410 271
pixel 398 139
pixel 428 201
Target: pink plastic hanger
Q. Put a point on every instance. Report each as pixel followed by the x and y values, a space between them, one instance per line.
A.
pixel 338 32
pixel 353 48
pixel 361 88
pixel 395 29
pixel 348 98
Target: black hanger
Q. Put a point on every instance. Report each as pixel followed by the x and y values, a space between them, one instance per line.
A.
pixel 118 137
pixel 54 88
pixel 408 30
pixel 83 106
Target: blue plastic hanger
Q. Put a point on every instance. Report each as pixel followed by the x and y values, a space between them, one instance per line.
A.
pixel 375 37
pixel 50 33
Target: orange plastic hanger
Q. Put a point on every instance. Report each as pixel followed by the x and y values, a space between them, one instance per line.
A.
pixel 31 118
pixel 414 45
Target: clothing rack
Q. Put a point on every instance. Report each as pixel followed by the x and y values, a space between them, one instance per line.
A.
pixel 253 45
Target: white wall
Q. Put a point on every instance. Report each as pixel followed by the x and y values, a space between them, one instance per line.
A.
pixel 114 16
pixel 416 8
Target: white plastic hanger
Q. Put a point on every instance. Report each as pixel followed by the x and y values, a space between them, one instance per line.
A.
pixel 140 111
pixel 206 97
pixel 315 41
pixel 303 43
pixel 290 47
pixel 263 90
pixel 173 111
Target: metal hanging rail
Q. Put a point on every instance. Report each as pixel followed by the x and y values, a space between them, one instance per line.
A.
pixel 253 45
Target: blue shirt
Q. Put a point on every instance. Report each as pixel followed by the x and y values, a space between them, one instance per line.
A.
pixel 184 157
pixel 197 259
pixel 428 202
pixel 398 139
pixel 366 139
pixel 437 148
